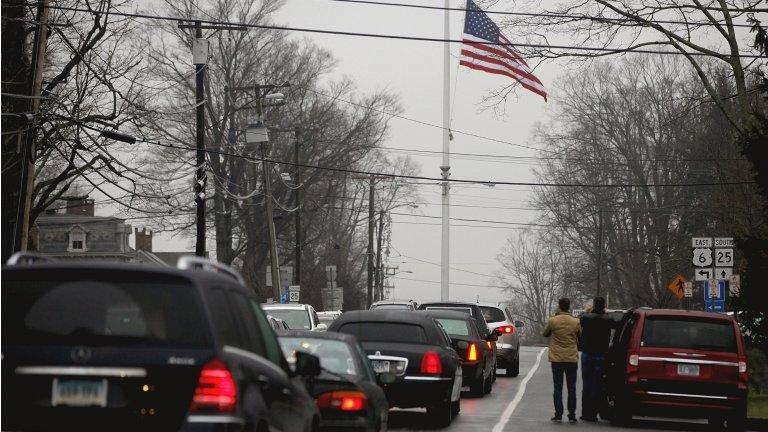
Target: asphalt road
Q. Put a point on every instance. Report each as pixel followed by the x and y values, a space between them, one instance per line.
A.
pixel 510 408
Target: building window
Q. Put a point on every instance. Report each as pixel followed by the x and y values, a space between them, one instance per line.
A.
pixel 76 240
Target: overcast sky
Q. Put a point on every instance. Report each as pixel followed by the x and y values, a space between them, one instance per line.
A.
pixel 413 70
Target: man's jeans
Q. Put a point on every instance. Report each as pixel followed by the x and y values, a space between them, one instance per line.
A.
pixel 569 370
pixel 593 389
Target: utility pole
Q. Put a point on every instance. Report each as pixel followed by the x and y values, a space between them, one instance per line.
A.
pixel 266 168
pixel 445 168
pixel 297 212
pixel 379 275
pixel 599 250
pixel 200 57
pixel 371 216
pixel 27 181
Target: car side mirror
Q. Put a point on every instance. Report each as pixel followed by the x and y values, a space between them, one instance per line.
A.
pixel 386 378
pixel 519 324
pixel 493 337
pixel 307 365
pixel 321 327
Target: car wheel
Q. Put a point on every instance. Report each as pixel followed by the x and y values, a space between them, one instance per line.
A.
pixel 513 369
pixel 489 384
pixel 455 408
pixel 441 414
pixel 477 388
pixel 736 420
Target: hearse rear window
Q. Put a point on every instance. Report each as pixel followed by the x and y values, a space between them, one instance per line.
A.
pixel 707 335
pixel 384 332
pixel 92 312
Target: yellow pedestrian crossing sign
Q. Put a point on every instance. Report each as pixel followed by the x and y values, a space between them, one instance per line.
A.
pixel 677 286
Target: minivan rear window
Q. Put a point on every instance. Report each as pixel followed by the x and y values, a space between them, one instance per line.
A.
pixel 385 332
pixel 96 312
pixel 707 335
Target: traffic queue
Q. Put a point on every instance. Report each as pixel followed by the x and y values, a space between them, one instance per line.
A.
pixel 111 346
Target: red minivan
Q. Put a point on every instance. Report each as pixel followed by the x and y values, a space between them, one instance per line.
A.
pixel 680 364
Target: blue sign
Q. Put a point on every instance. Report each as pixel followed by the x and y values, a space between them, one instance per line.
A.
pixel 284 295
pixel 714 304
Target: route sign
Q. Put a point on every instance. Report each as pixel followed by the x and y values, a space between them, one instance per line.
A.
pixel 677 286
pixel 724 257
pixel 703 274
pixel 688 289
pixel 723 273
pixel 701 242
pixel 294 293
pixel 702 257
pixel 722 242
pixel 734 285
pixel 715 302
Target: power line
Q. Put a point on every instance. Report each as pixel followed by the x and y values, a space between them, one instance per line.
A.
pixel 226 24
pixel 540 15
pixel 452 283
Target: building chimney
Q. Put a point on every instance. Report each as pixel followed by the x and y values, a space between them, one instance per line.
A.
pixel 143 239
pixel 81 206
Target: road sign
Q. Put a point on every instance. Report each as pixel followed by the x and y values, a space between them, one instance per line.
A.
pixel 701 242
pixel 284 296
pixel 677 286
pixel 723 273
pixel 702 257
pixel 723 257
pixel 722 242
pixel 712 289
pixel 734 285
pixel 714 296
pixel 688 289
pixel 333 298
pixel 703 274
pixel 294 292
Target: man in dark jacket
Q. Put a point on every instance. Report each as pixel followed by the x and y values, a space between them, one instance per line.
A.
pixel 595 339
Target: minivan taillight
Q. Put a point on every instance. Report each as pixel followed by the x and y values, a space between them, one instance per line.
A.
pixel 430 363
pixel 634 360
pixel 343 400
pixel 743 373
pixel 472 352
pixel 215 391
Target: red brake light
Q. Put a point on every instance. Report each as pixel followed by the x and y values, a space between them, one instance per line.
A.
pixel 343 400
pixel 472 352
pixel 507 329
pixel 430 363
pixel 215 391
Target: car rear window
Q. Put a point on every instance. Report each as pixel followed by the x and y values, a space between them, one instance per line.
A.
pixel 492 314
pixel 297 319
pixel 385 332
pixel 466 310
pixel 98 312
pixel 454 327
pixel 391 307
pixel 708 335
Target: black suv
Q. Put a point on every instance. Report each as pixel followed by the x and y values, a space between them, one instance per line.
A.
pixel 130 347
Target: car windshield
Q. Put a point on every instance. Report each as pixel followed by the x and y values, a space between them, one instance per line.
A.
pixel 385 332
pixel 297 319
pixel 335 356
pixel 99 312
pixel 708 335
pixel 454 327
pixel 492 314
pixel 391 307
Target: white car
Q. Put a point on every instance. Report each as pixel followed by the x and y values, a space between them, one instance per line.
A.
pixel 297 316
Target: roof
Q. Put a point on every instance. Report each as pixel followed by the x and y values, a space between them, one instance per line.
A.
pixel 320 335
pixel 171 258
pixel 412 317
pixel 449 314
pixel 45 219
pixel 684 313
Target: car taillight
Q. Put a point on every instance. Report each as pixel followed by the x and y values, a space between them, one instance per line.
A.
pixel 472 352
pixel 215 391
pixel 634 360
pixel 343 400
pixel 490 345
pixel 506 329
pixel 742 367
pixel 743 373
pixel 430 363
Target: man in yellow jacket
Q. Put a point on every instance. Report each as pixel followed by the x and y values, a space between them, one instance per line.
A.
pixel 564 331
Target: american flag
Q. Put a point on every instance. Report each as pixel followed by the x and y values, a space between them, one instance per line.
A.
pixel 478 54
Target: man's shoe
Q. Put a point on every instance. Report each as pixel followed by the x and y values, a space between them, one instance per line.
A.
pixel 571 418
pixel 557 418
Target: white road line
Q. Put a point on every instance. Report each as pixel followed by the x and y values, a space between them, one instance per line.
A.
pixel 505 416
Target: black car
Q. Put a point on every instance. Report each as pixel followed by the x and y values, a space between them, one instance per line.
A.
pixel 346 392
pixel 415 348
pixel 477 354
pixel 99 346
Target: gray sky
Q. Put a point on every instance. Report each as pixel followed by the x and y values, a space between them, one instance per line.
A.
pixel 413 70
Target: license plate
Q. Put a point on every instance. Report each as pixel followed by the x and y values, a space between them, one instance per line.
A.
pixel 380 366
pixel 79 393
pixel 688 369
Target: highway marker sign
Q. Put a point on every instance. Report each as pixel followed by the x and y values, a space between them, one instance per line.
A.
pixel 703 274
pixel 724 257
pixel 702 257
pixel 723 273
pixel 677 286
pixel 294 293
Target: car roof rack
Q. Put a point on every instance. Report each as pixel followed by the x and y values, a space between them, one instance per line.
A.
pixel 189 262
pixel 24 258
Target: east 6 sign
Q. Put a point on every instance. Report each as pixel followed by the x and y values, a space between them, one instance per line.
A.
pixel 702 257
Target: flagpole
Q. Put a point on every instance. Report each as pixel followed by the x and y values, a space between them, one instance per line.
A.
pixel 445 257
